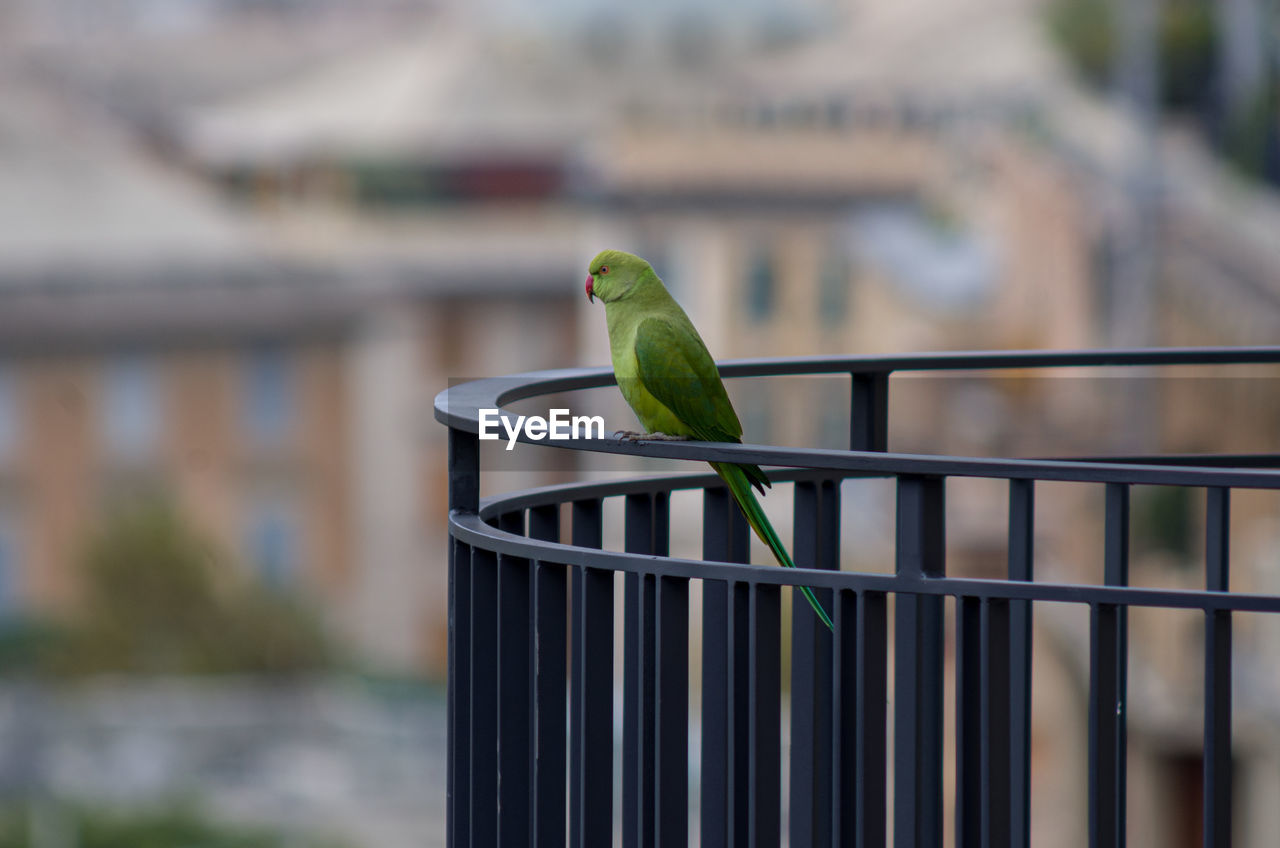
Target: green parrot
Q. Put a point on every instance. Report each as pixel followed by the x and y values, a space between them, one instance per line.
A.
pixel 671 382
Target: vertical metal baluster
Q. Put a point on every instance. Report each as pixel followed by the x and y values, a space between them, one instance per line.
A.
pixel 464 471
pixel 1108 679
pixel 858 719
pixel 1104 707
pixel 724 669
pixel 637 687
pixel 1117 573
pixel 815 545
pixel 714 770
pixel 969 736
pixel 544 522
pixel 591 691
pixel 458 792
pixel 484 697
pixel 512 522
pixel 739 536
pixel 671 691
pixel 632 659
pixel 1021 567
pixel 515 701
pixel 921 553
pixel 724 527
pixel 844 721
pixel 597 708
pixel 871 719
pixel 869 413
pixel 464 495
pixel 764 755
pixel 741 654
pixel 550 704
pixel 671 706
pixel 661 524
pixel 994 780
pixel 1217 675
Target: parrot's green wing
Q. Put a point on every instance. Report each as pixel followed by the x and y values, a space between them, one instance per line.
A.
pixel 675 367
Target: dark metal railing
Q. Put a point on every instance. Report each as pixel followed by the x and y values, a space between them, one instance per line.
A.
pixel 531 652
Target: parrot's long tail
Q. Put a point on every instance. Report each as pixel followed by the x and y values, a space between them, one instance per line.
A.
pixel 736 476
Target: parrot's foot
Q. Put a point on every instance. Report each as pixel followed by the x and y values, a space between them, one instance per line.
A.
pixel 632 436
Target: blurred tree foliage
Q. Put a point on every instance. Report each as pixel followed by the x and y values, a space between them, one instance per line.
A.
pixel 1161 519
pixel 159 599
pixel 1189 79
pixel 1088 32
pixel 1085 30
pixel 175 827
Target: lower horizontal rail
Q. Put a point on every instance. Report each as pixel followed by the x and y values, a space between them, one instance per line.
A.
pixel 467 527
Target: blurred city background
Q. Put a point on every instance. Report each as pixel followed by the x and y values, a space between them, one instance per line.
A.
pixel 243 243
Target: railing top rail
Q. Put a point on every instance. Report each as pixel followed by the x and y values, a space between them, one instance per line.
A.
pixel 459 407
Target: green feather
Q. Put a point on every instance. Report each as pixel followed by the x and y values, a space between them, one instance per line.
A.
pixel 671 382
pixel 740 488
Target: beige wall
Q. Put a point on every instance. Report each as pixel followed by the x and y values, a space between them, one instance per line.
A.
pixel 63 479
pixel 56 398
pixel 200 437
pixel 325 451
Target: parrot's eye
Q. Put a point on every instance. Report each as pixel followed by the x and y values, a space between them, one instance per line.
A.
pixel 604 269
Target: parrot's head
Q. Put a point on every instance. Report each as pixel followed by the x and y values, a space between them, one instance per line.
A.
pixel 613 274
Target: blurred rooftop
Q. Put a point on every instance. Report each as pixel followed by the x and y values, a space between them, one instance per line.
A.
pixel 79 194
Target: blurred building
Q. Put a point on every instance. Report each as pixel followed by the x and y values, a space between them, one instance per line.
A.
pixel 159 341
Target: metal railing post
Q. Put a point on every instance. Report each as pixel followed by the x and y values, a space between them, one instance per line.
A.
pixel 591 690
pixel 869 412
pixel 639 717
pixel 464 495
pixel 724 713
pixel 1022 510
pixel 918 665
pixel 816 545
pixel 1217 675
pixel 1108 684
pixel 550 715
pixel 764 717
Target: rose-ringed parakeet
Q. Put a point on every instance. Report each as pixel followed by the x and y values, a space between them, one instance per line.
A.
pixel 671 382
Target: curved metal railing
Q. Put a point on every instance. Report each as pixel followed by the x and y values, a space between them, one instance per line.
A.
pixel 531 671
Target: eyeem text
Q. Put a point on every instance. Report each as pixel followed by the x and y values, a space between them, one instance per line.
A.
pixel 560 426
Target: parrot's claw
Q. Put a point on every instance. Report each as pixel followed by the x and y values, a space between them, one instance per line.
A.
pixel 632 436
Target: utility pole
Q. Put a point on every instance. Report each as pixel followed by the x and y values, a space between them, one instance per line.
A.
pixel 1135 258
pixel 1135 266
pixel 1242 47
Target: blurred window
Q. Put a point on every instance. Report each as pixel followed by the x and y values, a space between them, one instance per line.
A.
pixel 927 254
pixel 8 413
pixel 273 543
pixel 760 284
pixel 269 395
pixel 130 407
pixel 834 281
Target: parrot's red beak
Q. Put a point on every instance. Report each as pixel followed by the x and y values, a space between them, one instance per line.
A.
pixel 591 292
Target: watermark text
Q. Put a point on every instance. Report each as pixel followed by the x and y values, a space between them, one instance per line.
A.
pixel 558 426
